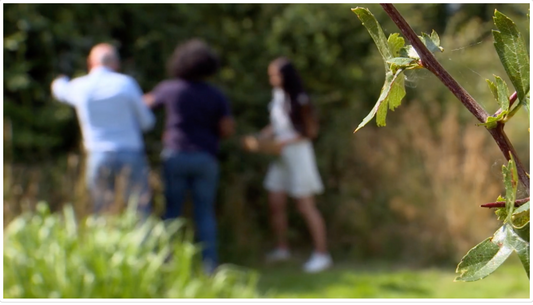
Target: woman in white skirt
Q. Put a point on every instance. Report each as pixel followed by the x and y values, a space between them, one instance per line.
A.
pixel 294 173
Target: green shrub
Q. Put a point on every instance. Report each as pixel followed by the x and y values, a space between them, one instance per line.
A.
pixel 49 255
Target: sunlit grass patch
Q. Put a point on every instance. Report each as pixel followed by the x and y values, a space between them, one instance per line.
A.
pixel 349 280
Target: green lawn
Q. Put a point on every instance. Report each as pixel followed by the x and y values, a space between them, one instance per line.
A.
pixel 348 280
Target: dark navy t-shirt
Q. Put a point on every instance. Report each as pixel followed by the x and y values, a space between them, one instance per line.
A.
pixel 193 113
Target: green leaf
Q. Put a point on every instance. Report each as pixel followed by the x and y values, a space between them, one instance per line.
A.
pixel 409 51
pixel 500 91
pixel 493 88
pixel 520 221
pixel 381 115
pixel 488 255
pixel 393 100
pixel 381 105
pixel 501 213
pixel 503 93
pixel 522 249
pixel 436 39
pixel 396 43
pixel 375 31
pixel 522 208
pixel 512 51
pixel 396 94
pixel 492 122
pixel 402 63
pixel 522 231
pixel 510 178
pixel 393 89
pixel 432 42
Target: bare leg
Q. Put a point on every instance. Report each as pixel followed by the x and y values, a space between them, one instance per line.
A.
pixel 315 222
pixel 278 216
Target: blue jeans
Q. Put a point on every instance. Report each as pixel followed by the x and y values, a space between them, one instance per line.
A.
pixel 197 172
pixel 128 169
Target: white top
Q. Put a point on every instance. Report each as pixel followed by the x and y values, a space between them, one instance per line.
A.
pixel 110 109
pixel 279 116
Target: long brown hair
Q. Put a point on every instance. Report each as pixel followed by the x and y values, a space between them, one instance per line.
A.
pixel 291 81
pixel 302 114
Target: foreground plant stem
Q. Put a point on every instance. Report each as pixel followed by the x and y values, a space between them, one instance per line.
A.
pixel 430 62
pixel 501 204
pixel 507 149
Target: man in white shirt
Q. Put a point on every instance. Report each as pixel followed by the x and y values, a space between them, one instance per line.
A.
pixel 112 117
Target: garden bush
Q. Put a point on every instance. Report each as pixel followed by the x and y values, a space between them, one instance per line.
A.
pixel 54 255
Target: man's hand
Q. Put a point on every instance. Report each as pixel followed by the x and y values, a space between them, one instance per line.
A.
pixel 59 88
pixel 60 77
pixel 148 100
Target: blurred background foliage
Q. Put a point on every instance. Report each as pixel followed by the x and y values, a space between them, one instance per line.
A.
pixel 407 192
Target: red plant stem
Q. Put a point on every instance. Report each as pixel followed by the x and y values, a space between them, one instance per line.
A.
pixel 430 62
pixel 507 149
pixel 512 99
pixel 501 204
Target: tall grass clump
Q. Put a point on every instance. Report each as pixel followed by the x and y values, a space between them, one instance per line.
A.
pixel 53 255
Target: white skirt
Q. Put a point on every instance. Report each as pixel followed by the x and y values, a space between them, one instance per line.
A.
pixel 295 171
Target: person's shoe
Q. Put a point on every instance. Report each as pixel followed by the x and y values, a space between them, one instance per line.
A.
pixel 318 262
pixel 278 255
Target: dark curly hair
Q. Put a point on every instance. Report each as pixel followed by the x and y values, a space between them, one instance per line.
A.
pixel 193 60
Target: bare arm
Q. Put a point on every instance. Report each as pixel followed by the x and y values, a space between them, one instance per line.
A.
pixel 267 132
pixel 296 139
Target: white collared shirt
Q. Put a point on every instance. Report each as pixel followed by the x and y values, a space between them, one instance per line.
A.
pixel 110 109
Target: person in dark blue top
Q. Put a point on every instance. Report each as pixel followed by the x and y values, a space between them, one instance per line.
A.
pixel 198 115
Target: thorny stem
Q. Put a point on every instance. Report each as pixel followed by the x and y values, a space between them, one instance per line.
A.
pixel 431 63
pixel 501 204
pixel 507 149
